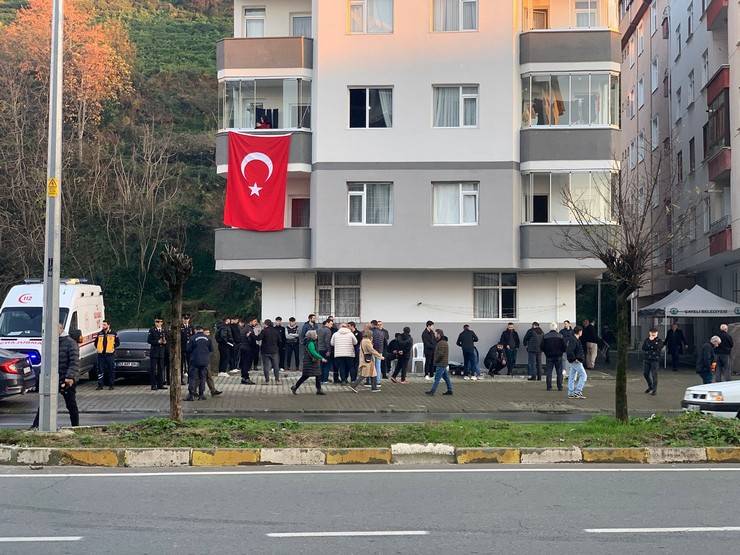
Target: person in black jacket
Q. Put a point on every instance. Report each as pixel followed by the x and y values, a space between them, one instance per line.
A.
pixel 495 359
pixel 234 353
pixel 533 344
pixel 198 350
pixel 510 341
pixel 575 355
pixel 466 341
pixel 590 342
pixel 706 360
pixel 652 346
pixel 675 343
pixel 186 332
pixel 281 330
pixel 270 350
pixel 158 351
pixel 553 345
pixel 248 346
pixel 429 341
pixel 402 353
pixel 225 342
pixel 723 351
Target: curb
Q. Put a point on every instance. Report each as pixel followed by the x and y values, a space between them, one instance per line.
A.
pixel 399 453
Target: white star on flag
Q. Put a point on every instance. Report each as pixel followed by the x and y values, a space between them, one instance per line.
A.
pixel 254 190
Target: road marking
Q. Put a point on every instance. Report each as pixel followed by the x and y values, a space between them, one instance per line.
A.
pixel 270 472
pixel 347 534
pixel 662 530
pixel 30 539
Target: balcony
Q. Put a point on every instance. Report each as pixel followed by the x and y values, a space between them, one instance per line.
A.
pixel 717 15
pixel 721 241
pixel 548 241
pixel 572 46
pixel 264 104
pixel 235 55
pixel 720 165
pixel 299 159
pixel 239 249
pixel 568 144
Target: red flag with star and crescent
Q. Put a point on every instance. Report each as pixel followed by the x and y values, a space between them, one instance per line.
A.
pixel 256 181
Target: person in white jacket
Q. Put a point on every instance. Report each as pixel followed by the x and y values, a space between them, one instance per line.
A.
pixel 344 342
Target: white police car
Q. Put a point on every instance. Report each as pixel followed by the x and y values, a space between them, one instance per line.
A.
pixel 720 399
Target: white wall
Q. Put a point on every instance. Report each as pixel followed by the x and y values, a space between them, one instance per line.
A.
pixel 277 15
pixel 288 294
pixel 733 32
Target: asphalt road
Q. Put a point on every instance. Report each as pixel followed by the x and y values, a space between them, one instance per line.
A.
pixel 513 510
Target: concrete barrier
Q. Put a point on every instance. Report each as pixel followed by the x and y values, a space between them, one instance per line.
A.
pixel 6 455
pixel 416 453
pixel 547 455
pixel 723 454
pixel 487 455
pixel 33 455
pixel 156 457
pixel 90 457
pixel 292 456
pixel 667 455
pixel 224 457
pixel 358 456
pixel 614 455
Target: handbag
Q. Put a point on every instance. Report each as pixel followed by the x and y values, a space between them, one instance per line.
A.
pixel 368 357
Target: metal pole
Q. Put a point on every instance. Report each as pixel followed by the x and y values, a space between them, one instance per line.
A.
pixel 598 306
pixel 49 386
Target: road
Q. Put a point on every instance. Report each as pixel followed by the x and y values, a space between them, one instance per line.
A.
pixel 513 510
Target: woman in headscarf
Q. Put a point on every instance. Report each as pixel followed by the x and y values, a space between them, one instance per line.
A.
pixel 311 360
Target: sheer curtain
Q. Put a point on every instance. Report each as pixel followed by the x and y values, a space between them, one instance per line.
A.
pixel 446 15
pixel 379 203
pixel 446 107
pixel 470 15
pixel 486 303
pixel 379 16
pixel 446 203
pixel 471 111
pixel 302 26
pixel 386 105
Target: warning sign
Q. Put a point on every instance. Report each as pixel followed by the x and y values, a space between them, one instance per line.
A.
pixel 52 188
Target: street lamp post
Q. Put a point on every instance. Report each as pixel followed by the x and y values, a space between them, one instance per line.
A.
pixel 49 385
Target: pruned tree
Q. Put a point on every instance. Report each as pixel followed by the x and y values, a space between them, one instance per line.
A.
pixel 175 267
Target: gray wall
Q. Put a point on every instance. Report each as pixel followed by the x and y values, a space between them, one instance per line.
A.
pixel 547 241
pixel 266 52
pixel 570 46
pixel 240 244
pixel 569 144
pixel 300 147
pixel 412 241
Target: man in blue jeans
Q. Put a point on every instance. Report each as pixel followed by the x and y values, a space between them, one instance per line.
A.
pixel 441 361
pixel 378 345
pixel 466 341
pixel 576 373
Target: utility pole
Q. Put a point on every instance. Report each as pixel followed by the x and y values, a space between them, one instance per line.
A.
pixel 49 386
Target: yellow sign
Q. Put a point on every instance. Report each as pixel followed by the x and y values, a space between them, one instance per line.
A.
pixel 52 188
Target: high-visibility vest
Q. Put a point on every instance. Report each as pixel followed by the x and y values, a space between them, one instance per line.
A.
pixel 106 344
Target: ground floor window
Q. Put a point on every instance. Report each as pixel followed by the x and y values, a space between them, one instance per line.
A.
pixel 338 294
pixel 494 295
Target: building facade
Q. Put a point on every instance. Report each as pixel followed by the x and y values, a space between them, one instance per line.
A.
pixel 432 143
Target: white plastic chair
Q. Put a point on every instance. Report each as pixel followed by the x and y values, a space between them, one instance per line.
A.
pixel 418 356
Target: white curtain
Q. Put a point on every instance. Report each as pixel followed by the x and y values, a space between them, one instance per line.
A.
pixel 379 203
pixel 470 209
pixel 446 203
pixel 471 111
pixel 446 107
pixel 379 16
pixel 255 28
pixel 347 302
pixel 486 303
pixel 355 16
pixel 302 26
pixel 446 15
pixel 470 16
pixel 386 105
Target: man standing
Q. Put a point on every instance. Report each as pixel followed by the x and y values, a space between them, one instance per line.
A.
pixel 308 325
pixel 209 378
pixel 553 345
pixel 378 340
pixel 651 347
pixel 186 332
pixel 429 341
pixel 706 360
pixel 248 346
pixel 576 373
pixel 225 342
pixel 724 370
pixel 106 344
pixel 291 345
pixel 234 349
pixel 510 341
pixel 533 344
pixel 466 341
pixel 675 342
pixel 324 347
pixel 69 366
pixel 343 342
pixel 441 362
pixel 590 341
pixel 270 349
pixel 199 350
pixel 158 350
pixel 404 345
pixel 358 337
pixel 385 364
pixel 608 340
pixel 283 336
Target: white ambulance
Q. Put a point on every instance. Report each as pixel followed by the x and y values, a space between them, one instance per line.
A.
pixel 80 308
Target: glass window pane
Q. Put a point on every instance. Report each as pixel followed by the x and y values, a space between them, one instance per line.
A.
pixel 599 99
pixel 245 105
pixel 446 203
pixel 379 203
pixel 486 280
pixel 470 209
pixel 580 186
pixel 324 302
pixel 355 209
pixel 357 108
pixel 614 100
pixel 347 278
pixel 446 15
pixel 302 26
pixel 356 187
pixel 303 116
pixel 381 107
pixel 560 99
pixel 541 100
pixel 508 303
pixel 579 100
pixel 446 106
pixel 540 197
pixel 347 302
pixel 601 195
pixel 508 280
pixel 379 16
pixel 485 303
pixel 355 18
pixel 470 16
pixel 290 104
pixel 324 278
pixel 470 187
pixel 255 28
pixel 529 116
pixel 471 111
pixel 470 90
pixel 559 185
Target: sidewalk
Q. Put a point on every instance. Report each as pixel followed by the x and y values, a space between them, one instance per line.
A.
pixel 501 394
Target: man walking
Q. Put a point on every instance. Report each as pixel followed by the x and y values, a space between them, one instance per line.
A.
pixel 209 378
pixel 308 325
pixel 291 345
pixel 106 344
pixel 404 345
pixel 510 341
pixel 225 342
pixel 270 349
pixel 724 370
pixel 706 360
pixel 553 345
pixel 158 350
pixel 675 343
pixel 68 367
pixel 590 341
pixel 186 332
pixel 199 353
pixel 533 344
pixel 576 373
pixel 429 341
pixel 651 347
pixel 441 362
pixel 466 341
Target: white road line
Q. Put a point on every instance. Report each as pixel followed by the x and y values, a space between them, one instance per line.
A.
pixel 662 530
pixel 29 539
pixel 347 534
pixel 515 470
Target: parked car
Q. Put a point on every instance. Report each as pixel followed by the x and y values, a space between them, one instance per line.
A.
pixel 16 374
pixel 718 399
pixel 132 355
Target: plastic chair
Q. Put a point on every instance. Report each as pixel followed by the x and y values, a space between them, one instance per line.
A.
pixel 417 356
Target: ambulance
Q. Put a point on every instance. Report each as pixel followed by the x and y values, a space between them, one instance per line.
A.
pixel 80 308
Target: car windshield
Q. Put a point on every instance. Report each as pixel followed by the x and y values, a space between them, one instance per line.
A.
pixel 25 321
pixel 133 336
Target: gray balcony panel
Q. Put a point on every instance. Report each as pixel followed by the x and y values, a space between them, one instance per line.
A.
pixel 569 144
pixel 266 52
pixel 569 46
pixel 240 244
pixel 300 147
pixel 549 241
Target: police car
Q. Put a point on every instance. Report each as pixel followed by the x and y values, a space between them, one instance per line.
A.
pixel 720 399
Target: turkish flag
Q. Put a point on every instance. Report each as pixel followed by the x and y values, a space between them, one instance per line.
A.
pixel 256 181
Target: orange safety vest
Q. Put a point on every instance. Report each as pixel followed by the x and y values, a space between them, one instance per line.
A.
pixel 106 344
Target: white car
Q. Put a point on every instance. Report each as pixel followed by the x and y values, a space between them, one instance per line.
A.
pixel 718 399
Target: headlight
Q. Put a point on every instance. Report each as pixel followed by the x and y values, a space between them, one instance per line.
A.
pixel 715 396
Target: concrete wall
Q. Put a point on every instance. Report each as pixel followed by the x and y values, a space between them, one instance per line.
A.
pixel 548 240
pixel 569 46
pixel 277 15
pixel 569 144
pixel 267 52
pixel 240 244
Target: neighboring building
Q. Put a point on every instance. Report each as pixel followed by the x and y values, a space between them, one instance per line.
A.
pixel 431 142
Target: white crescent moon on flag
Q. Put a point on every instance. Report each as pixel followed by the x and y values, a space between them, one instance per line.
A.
pixel 259 156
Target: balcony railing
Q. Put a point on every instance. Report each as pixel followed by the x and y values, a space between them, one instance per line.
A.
pixel 266 52
pixel 717 15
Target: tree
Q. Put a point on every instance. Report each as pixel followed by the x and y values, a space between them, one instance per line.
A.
pixel 175 267
pixel 649 214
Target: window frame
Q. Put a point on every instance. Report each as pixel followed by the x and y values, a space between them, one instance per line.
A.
pixel 460 17
pixel 461 203
pixel 527 206
pixel 364 31
pixel 640 38
pixel 655 132
pixel 363 195
pixel 332 289
pixel 500 288
pixel 461 105
pixel 691 89
pixel 654 74
pixel 293 16
pixel 640 92
pixel 654 18
pixel 367 90
pixel 246 17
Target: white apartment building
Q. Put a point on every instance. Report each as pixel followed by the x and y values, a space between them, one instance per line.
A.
pixel 431 143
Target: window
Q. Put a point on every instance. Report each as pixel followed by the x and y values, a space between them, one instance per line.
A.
pixel 300 25
pixel 455 203
pixel 679 44
pixel 370 16
pixel 370 107
pixel 717 128
pixel 692 224
pixel 300 212
pixel 264 103
pixel 370 203
pixel 692 155
pixel 689 21
pixel 494 296
pixel 705 68
pixel 631 50
pixel 692 89
pixel 653 18
pixel 455 15
pixel 587 13
pixel 679 166
pixel 544 194
pixel 338 294
pixel 655 132
pixel 654 75
pixel 632 154
pixel 631 103
pixel 456 106
pixel 640 38
pixel 577 99
pixel 678 103
pixel 641 92
pixel 641 147
pixel 254 22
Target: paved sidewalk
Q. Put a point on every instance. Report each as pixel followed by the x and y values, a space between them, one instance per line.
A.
pixel 502 394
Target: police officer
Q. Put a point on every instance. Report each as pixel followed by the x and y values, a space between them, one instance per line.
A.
pixel 199 353
pixel 69 366
pixel 106 344
pixel 159 349
pixel 186 332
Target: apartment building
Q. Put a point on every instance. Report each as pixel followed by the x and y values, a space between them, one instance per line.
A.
pixel 431 143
